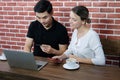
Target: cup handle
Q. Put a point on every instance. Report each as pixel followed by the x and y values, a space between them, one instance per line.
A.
pixel 77 62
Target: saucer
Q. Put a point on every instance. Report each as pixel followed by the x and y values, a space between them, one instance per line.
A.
pixel 70 67
pixel 3 57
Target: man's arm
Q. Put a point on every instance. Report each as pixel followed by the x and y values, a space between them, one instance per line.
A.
pixel 48 49
pixel 28 44
pixel 61 50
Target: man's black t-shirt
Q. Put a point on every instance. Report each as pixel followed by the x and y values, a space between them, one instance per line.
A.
pixel 54 36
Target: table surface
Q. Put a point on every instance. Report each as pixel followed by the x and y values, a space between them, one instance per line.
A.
pixel 56 72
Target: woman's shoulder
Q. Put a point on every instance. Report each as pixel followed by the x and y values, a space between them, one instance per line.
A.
pixel 93 35
pixel 92 32
pixel 75 31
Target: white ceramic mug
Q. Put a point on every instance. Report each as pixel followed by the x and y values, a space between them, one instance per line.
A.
pixel 71 62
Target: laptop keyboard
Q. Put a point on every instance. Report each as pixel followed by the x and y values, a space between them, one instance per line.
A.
pixel 39 66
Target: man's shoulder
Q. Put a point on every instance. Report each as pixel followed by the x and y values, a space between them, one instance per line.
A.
pixel 34 22
pixel 34 25
pixel 59 25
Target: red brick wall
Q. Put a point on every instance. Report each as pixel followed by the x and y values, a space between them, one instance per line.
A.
pixel 15 16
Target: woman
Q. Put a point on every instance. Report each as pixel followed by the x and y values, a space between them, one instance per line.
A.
pixel 85 45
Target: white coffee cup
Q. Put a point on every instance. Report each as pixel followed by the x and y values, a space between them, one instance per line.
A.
pixel 3 57
pixel 71 62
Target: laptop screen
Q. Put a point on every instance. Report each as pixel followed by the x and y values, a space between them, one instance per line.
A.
pixel 22 59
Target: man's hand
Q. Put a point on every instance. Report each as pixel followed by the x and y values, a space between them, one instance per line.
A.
pixel 46 48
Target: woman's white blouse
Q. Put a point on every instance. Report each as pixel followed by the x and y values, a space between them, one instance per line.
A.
pixel 88 46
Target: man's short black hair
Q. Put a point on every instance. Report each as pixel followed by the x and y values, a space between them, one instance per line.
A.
pixel 42 6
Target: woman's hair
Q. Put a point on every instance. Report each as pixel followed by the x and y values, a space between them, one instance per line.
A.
pixel 83 12
pixel 42 6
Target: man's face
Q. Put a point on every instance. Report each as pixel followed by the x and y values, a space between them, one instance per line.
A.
pixel 45 19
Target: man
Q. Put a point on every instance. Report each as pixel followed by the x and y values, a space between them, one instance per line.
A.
pixel 48 36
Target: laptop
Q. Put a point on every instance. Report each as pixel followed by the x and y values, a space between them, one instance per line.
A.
pixel 20 59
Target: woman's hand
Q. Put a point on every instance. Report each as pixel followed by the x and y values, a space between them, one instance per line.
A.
pixel 73 56
pixel 56 59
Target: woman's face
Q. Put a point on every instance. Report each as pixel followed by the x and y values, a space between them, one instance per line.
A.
pixel 75 21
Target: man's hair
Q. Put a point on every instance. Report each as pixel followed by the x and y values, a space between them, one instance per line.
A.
pixel 42 6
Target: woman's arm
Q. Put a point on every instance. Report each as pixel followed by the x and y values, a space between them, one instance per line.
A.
pixel 81 60
pixel 99 57
pixel 96 46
